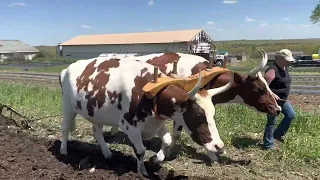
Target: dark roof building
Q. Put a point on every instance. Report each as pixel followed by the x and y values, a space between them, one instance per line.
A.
pixel 16 46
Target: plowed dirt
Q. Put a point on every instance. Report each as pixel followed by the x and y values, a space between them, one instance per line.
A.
pixel 24 156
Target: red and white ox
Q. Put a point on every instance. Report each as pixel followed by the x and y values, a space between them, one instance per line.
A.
pixel 109 92
pixel 250 90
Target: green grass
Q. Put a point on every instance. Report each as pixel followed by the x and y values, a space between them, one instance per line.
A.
pixel 50 69
pixel 34 101
pixel 54 60
pixel 302 144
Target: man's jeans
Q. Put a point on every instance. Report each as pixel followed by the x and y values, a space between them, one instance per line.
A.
pixel 271 133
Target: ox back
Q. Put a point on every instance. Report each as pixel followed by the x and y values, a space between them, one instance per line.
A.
pixel 99 89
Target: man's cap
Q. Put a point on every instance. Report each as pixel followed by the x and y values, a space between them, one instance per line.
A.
pixel 286 53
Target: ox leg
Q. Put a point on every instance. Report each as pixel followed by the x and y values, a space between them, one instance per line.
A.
pixel 134 134
pixel 164 134
pixel 176 134
pixel 114 130
pixel 68 123
pixel 98 134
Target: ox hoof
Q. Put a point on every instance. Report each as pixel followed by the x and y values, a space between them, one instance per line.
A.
pixel 107 156
pixel 221 151
pixel 214 163
pixel 63 151
pixel 143 171
pixel 113 131
pixel 154 160
pixel 213 157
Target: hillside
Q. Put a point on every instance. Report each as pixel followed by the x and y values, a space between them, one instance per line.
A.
pixel 250 47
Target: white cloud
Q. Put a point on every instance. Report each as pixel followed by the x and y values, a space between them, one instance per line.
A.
pixel 17 4
pixel 149 29
pixel 230 1
pixel 151 3
pixel 86 27
pixel 249 19
pixel 285 18
pixel 262 25
pixel 219 29
pixel 306 25
pixel 210 22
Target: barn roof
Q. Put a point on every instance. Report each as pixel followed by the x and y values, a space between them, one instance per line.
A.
pixel 11 46
pixel 134 38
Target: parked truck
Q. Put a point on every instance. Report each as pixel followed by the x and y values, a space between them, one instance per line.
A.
pixel 305 61
pixel 316 57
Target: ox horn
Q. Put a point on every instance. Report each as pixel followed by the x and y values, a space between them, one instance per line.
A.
pixel 196 88
pixel 254 72
pixel 215 91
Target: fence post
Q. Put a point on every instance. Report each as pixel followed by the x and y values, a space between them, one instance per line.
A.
pixel 224 61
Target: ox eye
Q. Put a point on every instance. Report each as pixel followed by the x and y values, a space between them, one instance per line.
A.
pixel 262 91
pixel 198 114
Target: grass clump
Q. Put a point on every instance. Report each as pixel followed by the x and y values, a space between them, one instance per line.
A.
pixel 33 101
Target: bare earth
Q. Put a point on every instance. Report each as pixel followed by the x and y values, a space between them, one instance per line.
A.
pixel 24 156
pixel 306 102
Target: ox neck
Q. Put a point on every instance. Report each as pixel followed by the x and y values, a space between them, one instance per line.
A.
pixel 229 94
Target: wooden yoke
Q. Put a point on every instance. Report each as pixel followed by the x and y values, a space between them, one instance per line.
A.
pixel 151 89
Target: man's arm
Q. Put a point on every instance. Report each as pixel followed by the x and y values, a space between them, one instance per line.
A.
pixel 270 75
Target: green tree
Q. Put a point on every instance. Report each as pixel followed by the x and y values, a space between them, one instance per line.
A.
pixel 315 14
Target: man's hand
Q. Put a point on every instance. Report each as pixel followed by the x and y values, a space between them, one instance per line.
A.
pixel 275 96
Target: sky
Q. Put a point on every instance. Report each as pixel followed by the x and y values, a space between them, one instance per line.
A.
pixel 49 22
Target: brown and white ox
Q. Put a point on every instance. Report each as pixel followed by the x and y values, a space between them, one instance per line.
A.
pixel 250 90
pixel 109 92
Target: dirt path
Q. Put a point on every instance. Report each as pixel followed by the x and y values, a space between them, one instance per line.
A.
pixel 309 102
pixel 27 157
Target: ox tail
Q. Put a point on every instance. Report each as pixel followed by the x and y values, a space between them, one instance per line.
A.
pixel 68 114
pixel 61 77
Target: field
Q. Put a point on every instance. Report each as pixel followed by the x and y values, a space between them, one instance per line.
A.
pixel 240 128
pixel 250 47
pixel 31 151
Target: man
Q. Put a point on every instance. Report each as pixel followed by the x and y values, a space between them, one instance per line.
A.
pixel 279 81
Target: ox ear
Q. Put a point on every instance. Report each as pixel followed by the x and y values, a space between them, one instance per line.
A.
pixel 215 91
pixel 239 79
pixel 253 73
pixel 196 88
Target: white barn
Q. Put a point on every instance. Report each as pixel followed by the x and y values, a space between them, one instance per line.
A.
pixel 16 50
pixel 89 46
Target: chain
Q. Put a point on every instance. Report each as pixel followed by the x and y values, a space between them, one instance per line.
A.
pixel 25 122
